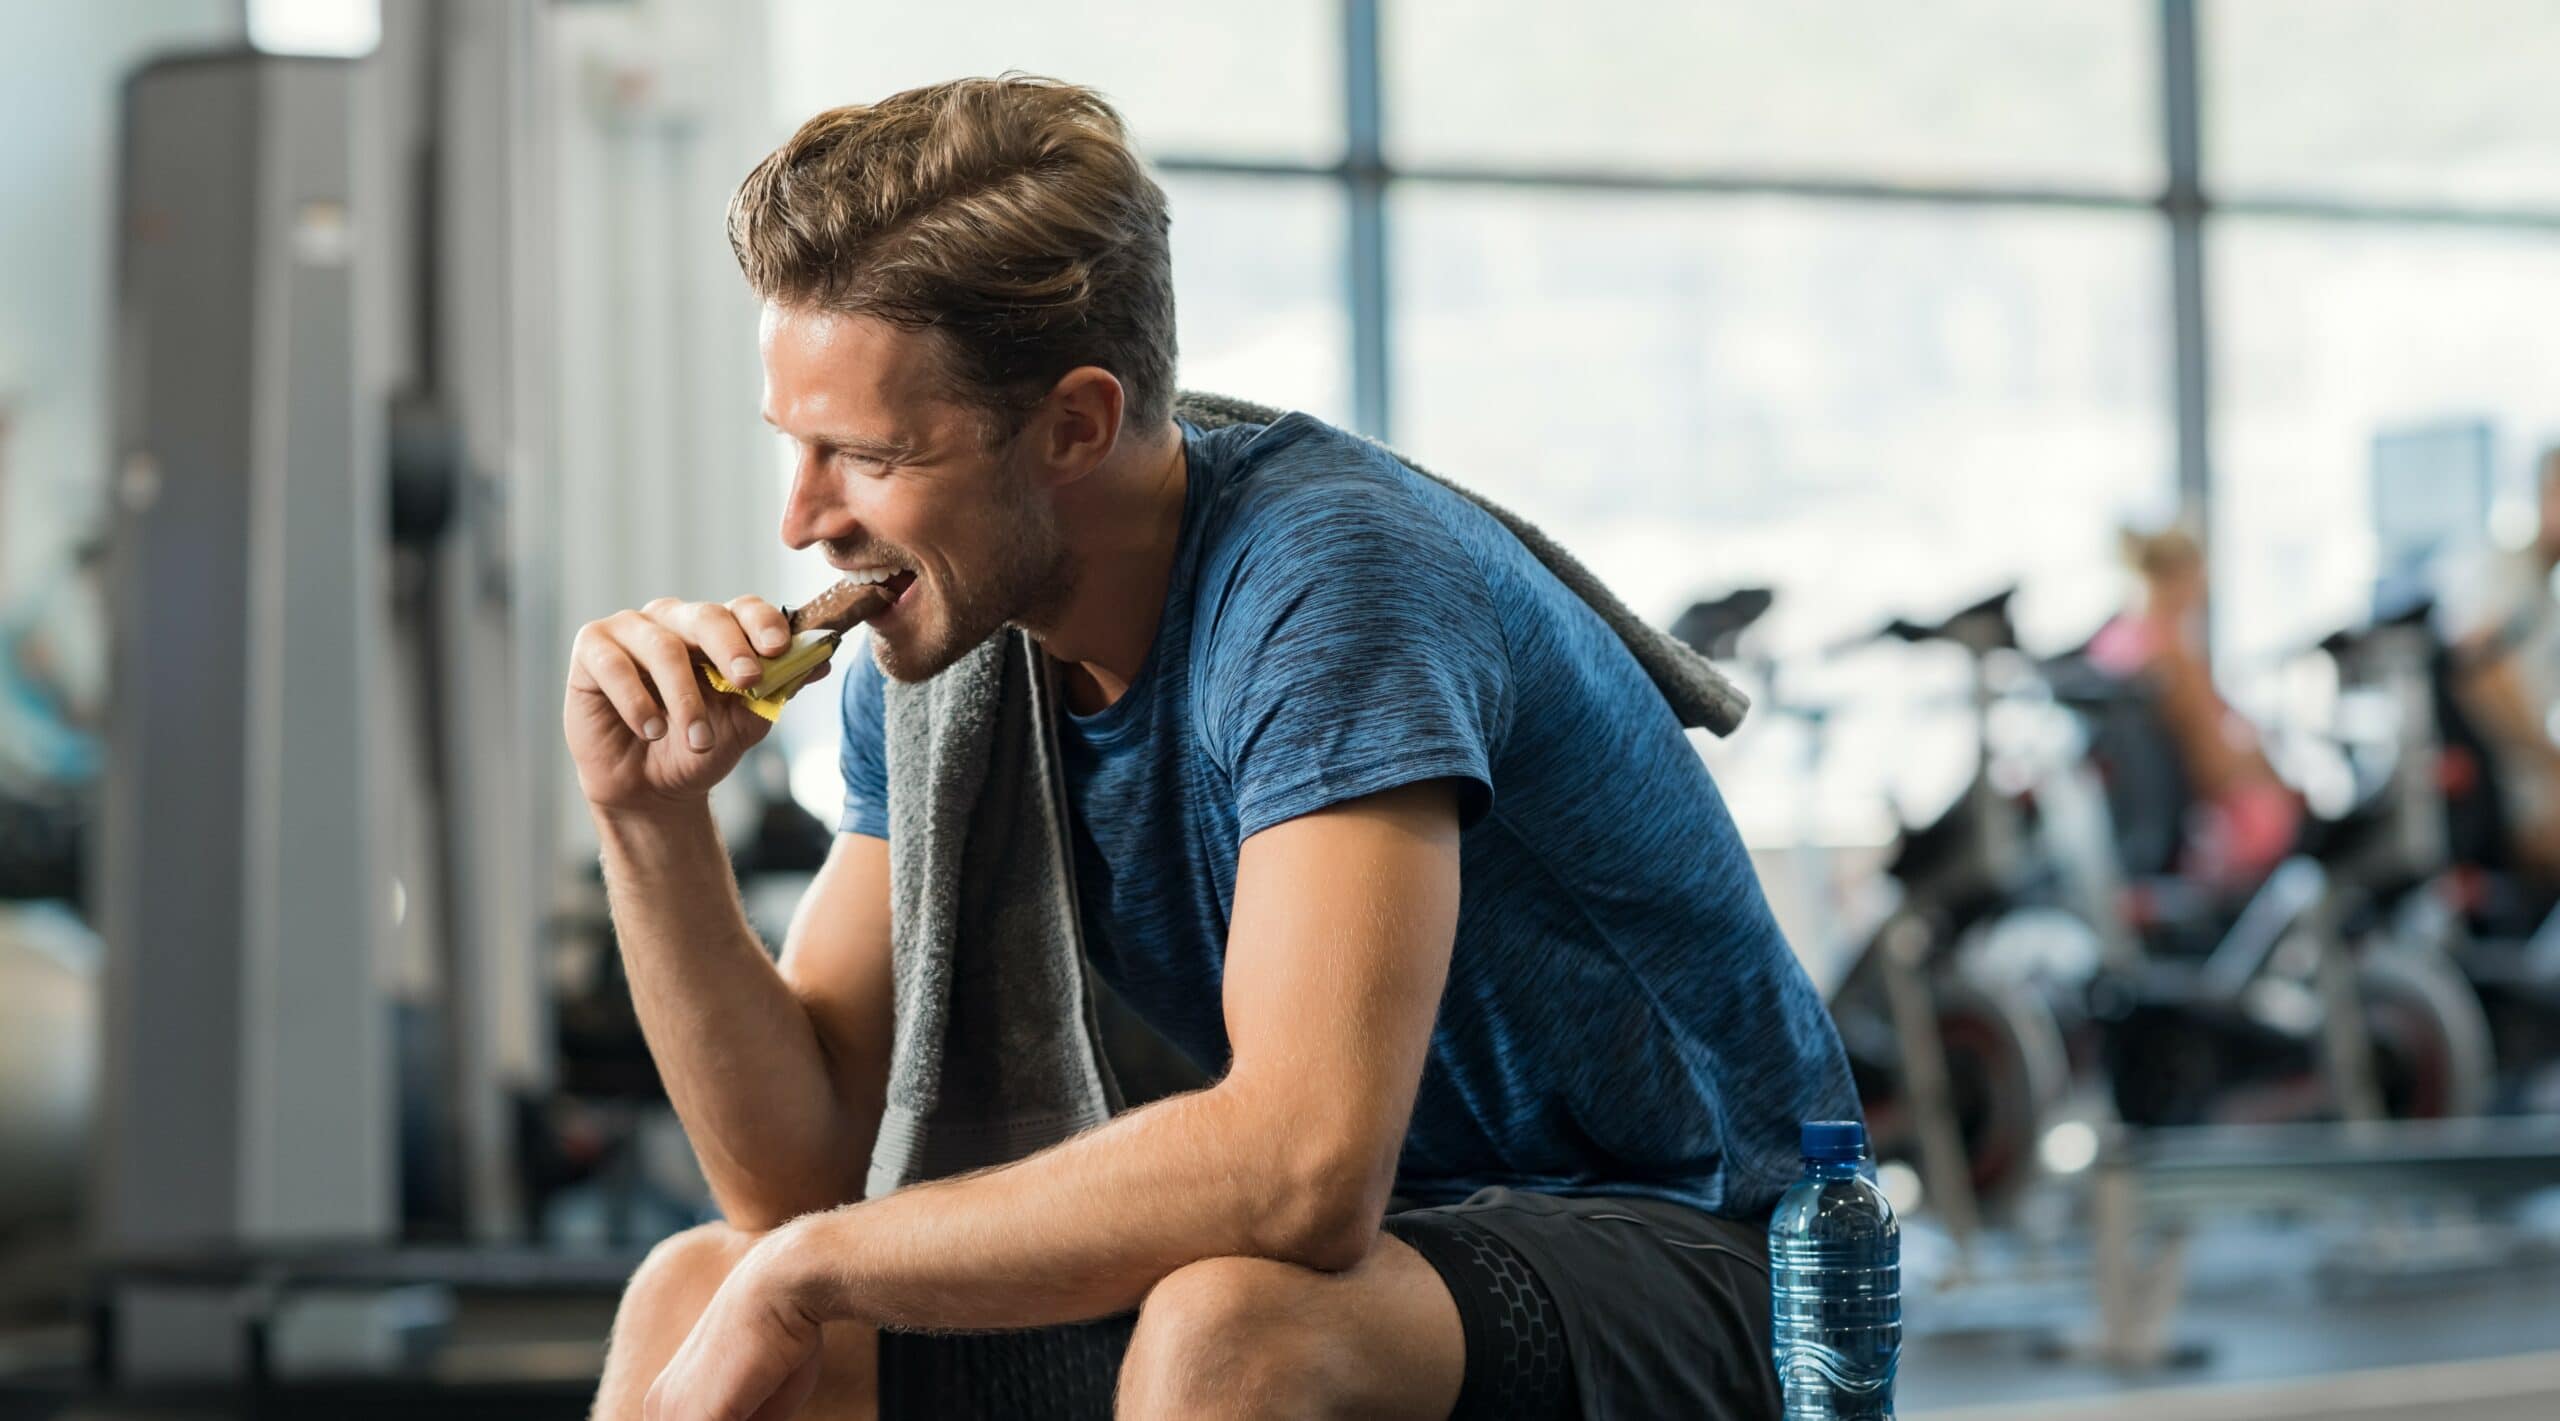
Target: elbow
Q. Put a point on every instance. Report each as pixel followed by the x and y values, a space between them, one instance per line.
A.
pixel 761 1193
pixel 1325 1212
pixel 1337 1250
pixel 755 1218
pixel 775 1202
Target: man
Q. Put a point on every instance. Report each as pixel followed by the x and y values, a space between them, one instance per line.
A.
pixel 1375 820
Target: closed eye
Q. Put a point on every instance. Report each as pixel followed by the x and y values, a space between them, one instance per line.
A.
pixel 834 455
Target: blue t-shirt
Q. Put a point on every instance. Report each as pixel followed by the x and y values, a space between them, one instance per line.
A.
pixel 1622 1014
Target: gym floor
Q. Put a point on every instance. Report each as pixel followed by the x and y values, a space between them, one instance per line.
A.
pixel 2283 1323
pixel 2268 1338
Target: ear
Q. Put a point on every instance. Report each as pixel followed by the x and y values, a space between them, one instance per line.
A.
pixel 1079 424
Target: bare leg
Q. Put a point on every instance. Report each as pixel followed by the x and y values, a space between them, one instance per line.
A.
pixel 1250 1337
pixel 668 1294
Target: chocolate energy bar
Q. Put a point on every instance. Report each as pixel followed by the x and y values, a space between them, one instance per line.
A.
pixel 841 608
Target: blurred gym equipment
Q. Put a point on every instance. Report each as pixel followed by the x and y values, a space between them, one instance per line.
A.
pixel 240 869
pixel 2306 996
pixel 2456 892
pixel 338 1118
pixel 1962 1069
pixel 297 888
pixel 2041 938
pixel 48 1063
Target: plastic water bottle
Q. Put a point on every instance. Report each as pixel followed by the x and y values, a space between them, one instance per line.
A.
pixel 1835 1283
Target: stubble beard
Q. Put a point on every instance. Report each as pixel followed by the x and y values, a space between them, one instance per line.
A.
pixel 1031 573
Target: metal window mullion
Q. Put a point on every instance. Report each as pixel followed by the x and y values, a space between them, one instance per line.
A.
pixel 1364 173
pixel 2287 206
pixel 2181 115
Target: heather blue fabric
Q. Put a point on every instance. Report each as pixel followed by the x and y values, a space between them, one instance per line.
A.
pixel 1622 1015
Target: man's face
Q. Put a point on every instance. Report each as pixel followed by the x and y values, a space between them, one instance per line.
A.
pixel 891 473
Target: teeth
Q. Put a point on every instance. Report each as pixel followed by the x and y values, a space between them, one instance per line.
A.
pixel 870 575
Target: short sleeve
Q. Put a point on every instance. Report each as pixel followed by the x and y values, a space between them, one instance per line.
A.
pixel 1353 648
pixel 862 754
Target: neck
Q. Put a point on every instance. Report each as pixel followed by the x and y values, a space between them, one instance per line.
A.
pixel 1123 527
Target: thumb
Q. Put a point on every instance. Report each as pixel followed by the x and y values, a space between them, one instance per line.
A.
pixel 739 723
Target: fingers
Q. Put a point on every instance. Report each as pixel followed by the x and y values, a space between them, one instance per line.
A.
pixel 646 673
pixel 794 1393
pixel 642 661
pixel 764 623
pixel 598 662
pixel 667 660
pixel 714 631
pixel 747 1357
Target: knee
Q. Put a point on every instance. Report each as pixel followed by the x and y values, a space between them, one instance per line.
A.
pixel 684 1270
pixel 1225 1337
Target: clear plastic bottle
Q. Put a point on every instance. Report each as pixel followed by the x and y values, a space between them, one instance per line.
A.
pixel 1835 1283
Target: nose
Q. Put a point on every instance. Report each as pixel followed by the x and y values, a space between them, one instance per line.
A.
pixel 813 511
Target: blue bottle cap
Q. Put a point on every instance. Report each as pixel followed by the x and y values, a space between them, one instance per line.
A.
pixel 1835 1140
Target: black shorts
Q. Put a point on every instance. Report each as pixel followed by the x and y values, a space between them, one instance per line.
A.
pixel 1662 1310
pixel 1598 1308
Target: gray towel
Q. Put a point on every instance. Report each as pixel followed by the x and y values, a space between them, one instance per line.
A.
pixel 998 1050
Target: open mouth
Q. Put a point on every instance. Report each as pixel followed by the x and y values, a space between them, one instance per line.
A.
pixel 896 582
pixel 857 597
pixel 897 585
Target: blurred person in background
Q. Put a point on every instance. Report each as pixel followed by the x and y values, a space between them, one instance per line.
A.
pixel 2245 819
pixel 50 757
pixel 2505 623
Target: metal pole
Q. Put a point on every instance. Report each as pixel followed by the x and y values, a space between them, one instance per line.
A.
pixel 1365 177
pixel 2181 110
pixel 1946 1176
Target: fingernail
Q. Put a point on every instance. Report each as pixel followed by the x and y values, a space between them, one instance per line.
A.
pixel 744 669
pixel 698 735
pixel 653 728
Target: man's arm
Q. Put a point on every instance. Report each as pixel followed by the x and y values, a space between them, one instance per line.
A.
pixel 778 1074
pixel 1343 925
pixel 2492 688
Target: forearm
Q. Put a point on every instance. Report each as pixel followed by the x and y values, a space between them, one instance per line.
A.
pixel 2495 693
pixel 1344 924
pixel 1084 1229
pixel 737 1051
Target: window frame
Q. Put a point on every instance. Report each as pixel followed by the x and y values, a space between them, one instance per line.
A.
pixel 2182 204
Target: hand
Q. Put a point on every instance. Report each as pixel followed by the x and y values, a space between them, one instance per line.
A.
pixel 754 1353
pixel 645 731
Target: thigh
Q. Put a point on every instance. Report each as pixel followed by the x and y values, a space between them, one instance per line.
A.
pixel 1223 1336
pixel 1664 1309
pixel 1390 1344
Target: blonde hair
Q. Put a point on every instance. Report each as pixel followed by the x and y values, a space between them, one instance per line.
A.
pixel 1007 216
pixel 2162 553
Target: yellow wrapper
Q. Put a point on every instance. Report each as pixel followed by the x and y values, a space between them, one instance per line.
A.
pixel 783 674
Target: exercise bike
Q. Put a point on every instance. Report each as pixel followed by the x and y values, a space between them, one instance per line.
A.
pixel 1954 1010
pixel 2471 900
pixel 2311 995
